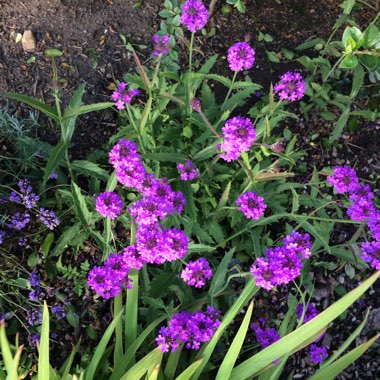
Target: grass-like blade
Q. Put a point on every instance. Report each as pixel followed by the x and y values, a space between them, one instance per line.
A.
pixel 256 363
pixel 5 349
pixel 229 361
pixel 13 374
pixel 141 367
pixel 100 349
pixel 330 372
pixel 54 160
pixel 248 292
pixel 43 352
pixel 188 372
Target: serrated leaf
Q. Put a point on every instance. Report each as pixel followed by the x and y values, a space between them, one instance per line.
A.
pixel 47 243
pixel 38 105
pixel 90 169
pixel 219 78
pixel 80 205
pixel 54 160
pixel 339 125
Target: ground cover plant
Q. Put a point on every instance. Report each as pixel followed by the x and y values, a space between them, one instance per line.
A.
pixel 165 249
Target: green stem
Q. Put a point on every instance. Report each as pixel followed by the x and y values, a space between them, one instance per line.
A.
pixel 189 92
pixel 367 52
pixel 117 307
pixel 230 89
pixel 333 68
pixel 131 304
pixel 132 121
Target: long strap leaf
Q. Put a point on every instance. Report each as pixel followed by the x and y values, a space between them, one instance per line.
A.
pixel 43 354
pixel 256 363
pixel 234 351
pixel 330 372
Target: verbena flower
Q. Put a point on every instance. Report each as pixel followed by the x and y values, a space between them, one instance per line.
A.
pixel 299 243
pixel 178 202
pixel 240 56
pixel 197 272
pixel 109 204
pixel 311 312
pixel 361 209
pixel 175 244
pixel 133 258
pixel 150 244
pixel 122 96
pixel 130 174
pixel 188 171
pixel 371 253
pixel 161 45
pixel 359 191
pixel 19 221
pixel 252 205
pixel 283 264
pixel 317 354
pixel 48 218
pixel 265 337
pixel 123 151
pixel 189 328
pixel 343 179
pixel 238 136
pixel 374 225
pixel 148 211
pixel 103 281
pixel 194 15
pixel 291 87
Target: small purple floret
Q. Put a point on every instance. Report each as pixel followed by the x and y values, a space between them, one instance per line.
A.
pixel 240 56
pixel 291 87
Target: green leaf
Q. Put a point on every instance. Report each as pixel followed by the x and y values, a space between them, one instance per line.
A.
pixel 347 6
pixel 349 62
pixel 238 99
pixel 219 277
pixel 245 296
pixel 330 372
pixel 55 53
pixel 90 169
pixel 65 369
pixel 68 123
pixel 258 362
pixel 160 284
pixel 54 160
pixel 120 367
pixel 370 62
pixel 311 43
pixel 189 371
pixel 140 368
pixel 166 157
pixel 371 37
pixel 13 375
pixel 339 125
pixel 206 153
pixel 272 56
pixel 66 238
pixel 80 205
pixel 47 243
pixel 92 367
pixel 209 64
pixel 36 104
pixel 219 78
pixel 352 34
pixel 233 352
pixel 358 81
pixel 76 111
pixel 43 352
pixel 112 182
pixel 5 349
pixel 222 202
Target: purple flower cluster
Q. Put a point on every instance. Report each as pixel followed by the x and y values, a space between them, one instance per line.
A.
pixel 240 56
pixel 34 317
pixel 252 205
pixel 2 236
pixel 154 244
pixel 290 87
pixel 188 171
pixel 343 179
pixel 48 218
pixel 361 209
pixel 109 204
pixel 310 313
pixel 189 328
pixel 264 336
pixel 26 195
pixel 34 281
pixel 161 45
pixel 318 354
pixel 197 272
pixel 58 311
pixel 108 280
pixel 371 253
pixel 283 264
pixel 238 136
pixel 194 15
pixel 122 96
pixel 19 221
